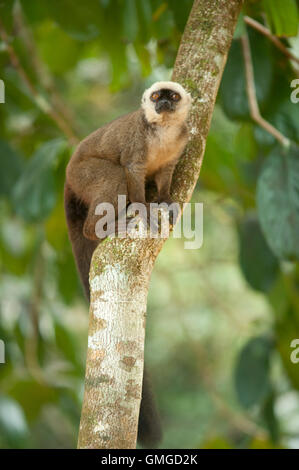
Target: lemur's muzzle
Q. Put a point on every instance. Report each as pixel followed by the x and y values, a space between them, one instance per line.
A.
pixel 164 105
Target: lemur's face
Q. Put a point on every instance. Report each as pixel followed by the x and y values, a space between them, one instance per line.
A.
pixel 166 101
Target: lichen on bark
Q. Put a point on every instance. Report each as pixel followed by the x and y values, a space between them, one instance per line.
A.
pixel 121 268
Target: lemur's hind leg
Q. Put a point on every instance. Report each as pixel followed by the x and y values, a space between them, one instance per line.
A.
pixel 83 248
pixel 102 186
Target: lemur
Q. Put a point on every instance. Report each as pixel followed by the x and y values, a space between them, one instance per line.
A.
pixel 119 159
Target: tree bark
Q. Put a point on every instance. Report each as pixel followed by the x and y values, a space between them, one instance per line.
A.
pixel 121 268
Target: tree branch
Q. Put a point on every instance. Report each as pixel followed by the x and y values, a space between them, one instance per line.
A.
pixel 251 93
pixel 121 268
pixel 274 39
pixel 39 99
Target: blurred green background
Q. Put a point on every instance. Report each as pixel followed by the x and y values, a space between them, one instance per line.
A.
pixel 221 318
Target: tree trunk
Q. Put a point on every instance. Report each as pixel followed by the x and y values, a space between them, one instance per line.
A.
pixel 121 268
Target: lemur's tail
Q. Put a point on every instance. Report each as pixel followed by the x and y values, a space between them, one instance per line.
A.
pixel 149 428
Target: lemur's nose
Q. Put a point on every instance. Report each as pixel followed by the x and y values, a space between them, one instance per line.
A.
pixel 163 105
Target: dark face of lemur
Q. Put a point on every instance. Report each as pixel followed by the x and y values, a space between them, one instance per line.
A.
pixel 166 102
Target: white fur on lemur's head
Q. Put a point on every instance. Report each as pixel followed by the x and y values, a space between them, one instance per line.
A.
pixel 179 109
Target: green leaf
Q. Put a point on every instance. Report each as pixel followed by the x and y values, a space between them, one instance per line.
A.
pixel 57 49
pixel 181 12
pixel 286 119
pixel 144 57
pixel 258 264
pixel 144 12
pixel 11 165
pixel 233 93
pixel 34 194
pixel 270 417
pixel 282 16
pixel 130 20
pixel 78 19
pixel 66 343
pixel 252 371
pixel 35 12
pixel 6 15
pixel 245 145
pixel 55 227
pixel 32 396
pixel 16 244
pixel 13 425
pixel 112 40
pixel 278 201
pixel 236 146
pixel 241 27
pixel 163 21
pixel 67 277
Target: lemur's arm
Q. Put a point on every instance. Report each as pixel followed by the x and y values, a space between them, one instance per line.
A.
pixel 135 174
pixel 163 180
pixel 133 161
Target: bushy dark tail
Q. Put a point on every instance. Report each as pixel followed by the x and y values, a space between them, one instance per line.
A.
pixel 149 427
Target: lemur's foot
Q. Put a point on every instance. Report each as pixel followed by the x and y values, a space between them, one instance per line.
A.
pixel 170 206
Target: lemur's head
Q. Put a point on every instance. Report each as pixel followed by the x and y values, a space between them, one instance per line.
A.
pixel 166 102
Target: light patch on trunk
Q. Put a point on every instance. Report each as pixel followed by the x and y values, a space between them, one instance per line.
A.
pixel 100 427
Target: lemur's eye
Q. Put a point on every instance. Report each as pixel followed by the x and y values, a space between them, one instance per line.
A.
pixel 175 96
pixel 155 96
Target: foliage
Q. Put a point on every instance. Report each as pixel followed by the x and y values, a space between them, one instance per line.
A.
pixel 228 311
